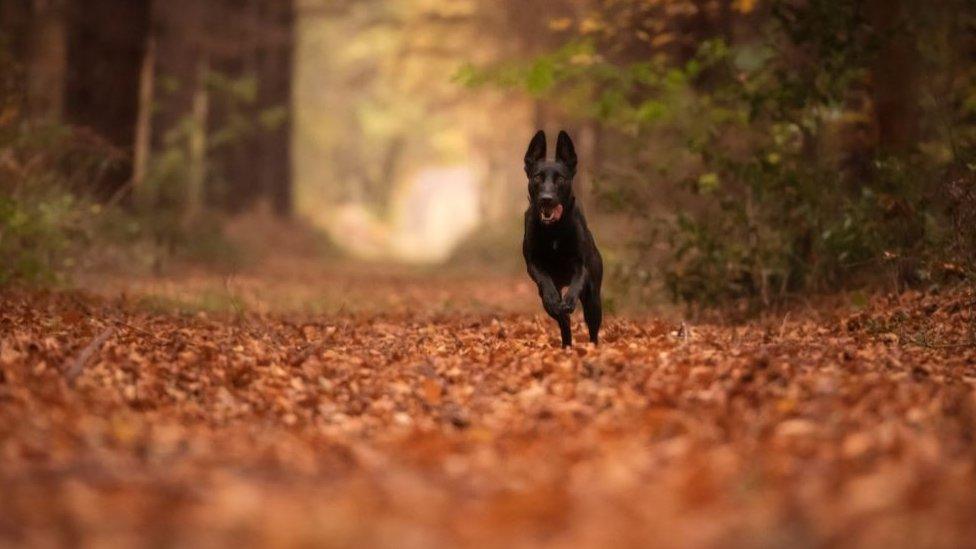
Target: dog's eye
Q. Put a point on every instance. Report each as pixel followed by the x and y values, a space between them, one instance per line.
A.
pixel 560 180
pixel 538 178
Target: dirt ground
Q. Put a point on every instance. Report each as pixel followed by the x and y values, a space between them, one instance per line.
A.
pixel 362 407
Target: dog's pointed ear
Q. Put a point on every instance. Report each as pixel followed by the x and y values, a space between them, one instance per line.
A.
pixel 565 151
pixel 536 150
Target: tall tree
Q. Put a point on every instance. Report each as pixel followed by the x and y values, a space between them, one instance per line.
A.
pixel 224 69
pixel 144 196
pixel 107 43
pixel 895 75
pixel 254 48
pixel 274 93
pixel 46 71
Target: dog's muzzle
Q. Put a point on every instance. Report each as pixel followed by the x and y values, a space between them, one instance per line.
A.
pixel 550 210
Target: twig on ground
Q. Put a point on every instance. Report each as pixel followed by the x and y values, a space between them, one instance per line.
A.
pixel 922 341
pixel 76 366
pixel 234 301
pixel 128 326
pixel 684 332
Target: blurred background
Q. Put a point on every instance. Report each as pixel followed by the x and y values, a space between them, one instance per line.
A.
pixel 746 152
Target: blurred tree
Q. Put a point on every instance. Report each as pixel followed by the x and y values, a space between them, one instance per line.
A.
pixel 895 73
pixel 275 74
pixel 80 69
pixel 223 92
pixel 195 96
pixel 47 46
pixel 35 32
pixel 769 146
pixel 106 42
pixel 143 196
pixel 252 72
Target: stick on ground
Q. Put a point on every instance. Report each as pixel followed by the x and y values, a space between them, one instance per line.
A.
pixel 78 364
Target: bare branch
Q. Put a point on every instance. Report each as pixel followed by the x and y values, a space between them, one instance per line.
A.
pixel 76 366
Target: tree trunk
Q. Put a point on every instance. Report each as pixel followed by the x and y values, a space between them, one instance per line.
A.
pixel 15 25
pixel 181 109
pixel 275 93
pixel 47 51
pixel 107 42
pixel 255 44
pixel 144 196
pixel 895 78
pixel 197 144
pixel 586 143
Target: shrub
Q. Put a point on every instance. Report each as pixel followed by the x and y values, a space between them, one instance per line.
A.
pixel 755 166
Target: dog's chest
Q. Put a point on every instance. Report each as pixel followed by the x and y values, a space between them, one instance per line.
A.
pixel 557 252
pixel 556 246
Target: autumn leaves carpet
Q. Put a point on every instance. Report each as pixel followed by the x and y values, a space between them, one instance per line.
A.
pixel 122 425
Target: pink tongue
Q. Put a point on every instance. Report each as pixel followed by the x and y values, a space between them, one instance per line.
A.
pixel 555 215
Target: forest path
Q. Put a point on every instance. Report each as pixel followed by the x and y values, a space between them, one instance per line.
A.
pixel 443 425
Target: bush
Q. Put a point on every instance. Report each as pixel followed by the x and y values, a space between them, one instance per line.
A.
pixel 758 167
pixel 52 205
pixel 43 218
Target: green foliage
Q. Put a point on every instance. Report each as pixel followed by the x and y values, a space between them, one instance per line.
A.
pixel 764 150
pixel 50 223
pixel 169 169
pixel 50 218
pixel 43 222
pixel 167 187
pixel 35 232
pixel 39 218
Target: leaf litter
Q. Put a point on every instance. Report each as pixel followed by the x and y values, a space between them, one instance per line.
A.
pixel 126 426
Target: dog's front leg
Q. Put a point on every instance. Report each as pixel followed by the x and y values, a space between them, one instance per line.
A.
pixel 573 293
pixel 547 291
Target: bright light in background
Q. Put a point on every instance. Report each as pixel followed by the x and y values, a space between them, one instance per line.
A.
pixel 391 155
pixel 430 215
pixel 439 208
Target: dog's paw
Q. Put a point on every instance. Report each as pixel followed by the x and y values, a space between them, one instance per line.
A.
pixel 552 304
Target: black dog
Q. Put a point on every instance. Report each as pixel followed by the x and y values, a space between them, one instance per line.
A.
pixel 559 250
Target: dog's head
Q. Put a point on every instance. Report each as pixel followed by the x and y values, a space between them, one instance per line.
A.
pixel 550 183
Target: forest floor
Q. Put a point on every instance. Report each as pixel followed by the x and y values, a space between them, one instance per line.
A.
pixel 358 407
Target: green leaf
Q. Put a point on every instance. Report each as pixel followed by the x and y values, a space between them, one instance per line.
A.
pixel 541 76
pixel 651 110
pixel 467 75
pixel 273 118
pixel 708 183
